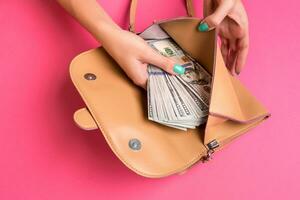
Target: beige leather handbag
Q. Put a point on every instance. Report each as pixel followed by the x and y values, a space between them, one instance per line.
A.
pixel 117 107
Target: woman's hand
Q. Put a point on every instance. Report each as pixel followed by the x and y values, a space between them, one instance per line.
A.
pixel 230 17
pixel 130 51
pixel 133 54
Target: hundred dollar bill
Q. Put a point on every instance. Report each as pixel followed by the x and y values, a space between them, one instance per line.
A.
pixel 180 101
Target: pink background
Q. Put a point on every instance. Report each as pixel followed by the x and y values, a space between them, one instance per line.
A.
pixel 43 155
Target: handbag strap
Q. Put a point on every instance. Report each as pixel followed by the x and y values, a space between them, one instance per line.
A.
pixel 133 6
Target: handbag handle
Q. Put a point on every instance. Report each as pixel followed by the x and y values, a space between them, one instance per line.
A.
pixel 133 6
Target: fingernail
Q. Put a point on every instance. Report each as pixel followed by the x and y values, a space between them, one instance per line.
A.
pixel 178 69
pixel 203 27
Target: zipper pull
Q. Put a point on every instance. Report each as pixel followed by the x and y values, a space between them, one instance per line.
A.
pixel 211 149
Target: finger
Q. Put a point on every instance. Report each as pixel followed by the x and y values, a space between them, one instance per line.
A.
pixel 217 17
pixel 232 55
pixel 232 44
pixel 225 50
pixel 137 72
pixel 241 55
pixel 143 74
pixel 165 63
pixel 138 80
pixel 231 61
pixel 207 7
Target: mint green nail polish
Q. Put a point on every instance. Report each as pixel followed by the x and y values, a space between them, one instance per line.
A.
pixel 203 27
pixel 178 69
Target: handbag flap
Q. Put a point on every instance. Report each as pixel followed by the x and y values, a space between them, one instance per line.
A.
pixel 229 98
pixel 117 108
pixel 233 110
pixel 85 120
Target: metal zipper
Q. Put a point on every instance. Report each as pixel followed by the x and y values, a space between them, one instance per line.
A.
pixel 211 149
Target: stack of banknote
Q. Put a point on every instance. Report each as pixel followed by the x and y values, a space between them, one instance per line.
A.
pixel 180 101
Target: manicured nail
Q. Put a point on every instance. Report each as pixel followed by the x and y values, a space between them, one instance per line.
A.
pixel 203 27
pixel 178 69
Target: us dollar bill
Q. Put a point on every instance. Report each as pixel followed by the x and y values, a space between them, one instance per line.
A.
pixel 180 101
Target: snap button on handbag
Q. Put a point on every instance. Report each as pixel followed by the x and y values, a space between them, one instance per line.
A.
pixel 118 108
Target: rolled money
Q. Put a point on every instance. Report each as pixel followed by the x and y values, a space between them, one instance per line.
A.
pixel 180 101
